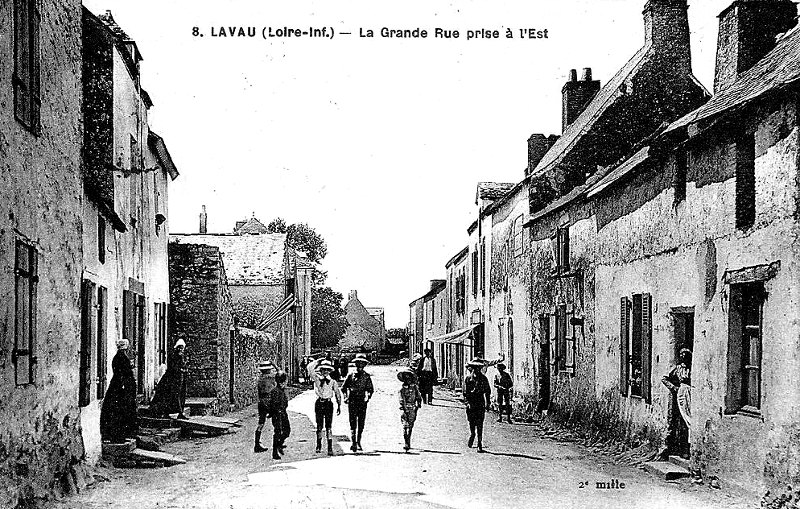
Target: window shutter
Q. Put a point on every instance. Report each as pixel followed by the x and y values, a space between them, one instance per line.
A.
pixel 647 346
pixel 85 357
pixel 36 100
pixel 553 339
pixel 22 61
pixel 623 347
pixel 102 340
pixel 127 315
pixel 565 249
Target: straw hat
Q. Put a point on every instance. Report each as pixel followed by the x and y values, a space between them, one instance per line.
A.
pixel 417 356
pixel 180 342
pixel 325 364
pixel 403 374
pixel 122 344
pixel 266 366
pixel 360 358
pixel 477 363
pixel 685 350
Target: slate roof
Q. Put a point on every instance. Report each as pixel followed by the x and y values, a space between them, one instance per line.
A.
pixel 604 99
pixel 252 227
pixel 492 190
pixel 778 69
pixel 158 146
pixel 252 260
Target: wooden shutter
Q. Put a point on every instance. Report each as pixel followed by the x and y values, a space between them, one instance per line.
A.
pixel 87 331
pixel 623 346
pixel 647 346
pixel 36 100
pixel 102 340
pixel 553 339
pixel 22 61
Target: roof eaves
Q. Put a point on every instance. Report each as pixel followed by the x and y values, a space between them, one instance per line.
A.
pixel 458 257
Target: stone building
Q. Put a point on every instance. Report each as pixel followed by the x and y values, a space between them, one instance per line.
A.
pixel 451 349
pixel 364 332
pixel 416 328
pixel 265 275
pixel 696 241
pixel 127 169
pixel 222 358
pixel 654 87
pixel 379 314
pixel 686 242
pixel 41 256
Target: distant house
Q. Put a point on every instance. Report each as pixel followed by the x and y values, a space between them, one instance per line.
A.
pixel 364 332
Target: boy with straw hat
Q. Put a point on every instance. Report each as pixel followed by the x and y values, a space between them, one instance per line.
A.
pixel 326 390
pixel 410 400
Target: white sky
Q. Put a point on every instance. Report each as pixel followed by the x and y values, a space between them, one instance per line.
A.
pixel 376 143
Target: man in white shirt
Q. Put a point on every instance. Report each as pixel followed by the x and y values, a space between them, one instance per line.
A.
pixel 326 390
pixel 428 375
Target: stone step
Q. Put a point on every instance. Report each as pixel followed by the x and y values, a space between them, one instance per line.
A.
pixel 118 450
pixel 681 462
pixel 156 456
pixel 230 421
pixel 152 422
pixel 202 406
pixel 666 470
pixel 200 424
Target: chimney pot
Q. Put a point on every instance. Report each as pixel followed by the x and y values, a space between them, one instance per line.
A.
pixel 203 220
pixel 573 75
pixel 587 74
pixel 576 96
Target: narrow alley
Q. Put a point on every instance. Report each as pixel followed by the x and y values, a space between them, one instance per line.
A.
pixel 519 469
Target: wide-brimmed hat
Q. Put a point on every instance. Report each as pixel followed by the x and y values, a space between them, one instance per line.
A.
pixel 122 344
pixel 403 374
pixel 180 342
pixel 500 365
pixel 417 356
pixel 477 363
pixel 685 350
pixel 266 365
pixel 360 358
pixel 325 364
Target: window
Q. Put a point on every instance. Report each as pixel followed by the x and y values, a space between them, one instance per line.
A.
pixel 517 236
pixel 562 250
pixel 134 155
pixel 636 346
pixel 475 271
pixel 461 291
pixel 745 181
pixel 101 239
pixel 133 329
pixel 27 99
pixel 25 282
pixel 744 347
pixel 679 176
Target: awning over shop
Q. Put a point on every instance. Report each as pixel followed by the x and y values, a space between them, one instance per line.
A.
pixel 456 337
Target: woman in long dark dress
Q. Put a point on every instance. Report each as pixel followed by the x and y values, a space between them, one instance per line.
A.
pixel 170 393
pixel 118 419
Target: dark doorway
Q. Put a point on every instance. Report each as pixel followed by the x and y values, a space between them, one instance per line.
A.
pixel 141 324
pixel 544 364
pixel 232 356
pixel 678 439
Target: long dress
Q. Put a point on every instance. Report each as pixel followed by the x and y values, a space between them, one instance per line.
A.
pixel 169 395
pixel 118 419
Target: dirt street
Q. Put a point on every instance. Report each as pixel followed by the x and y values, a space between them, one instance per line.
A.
pixel 519 469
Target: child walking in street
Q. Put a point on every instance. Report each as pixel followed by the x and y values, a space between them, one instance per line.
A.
pixel 503 385
pixel 276 408
pixel 326 390
pixel 266 382
pixel 410 401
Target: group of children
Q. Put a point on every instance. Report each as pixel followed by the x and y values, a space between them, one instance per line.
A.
pixel 358 389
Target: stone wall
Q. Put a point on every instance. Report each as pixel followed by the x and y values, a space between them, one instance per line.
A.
pixel 196 278
pixel 41 205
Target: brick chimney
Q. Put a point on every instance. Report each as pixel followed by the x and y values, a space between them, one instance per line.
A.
pixel 747 31
pixel 576 95
pixel 666 31
pixel 352 295
pixel 203 221
pixel 538 145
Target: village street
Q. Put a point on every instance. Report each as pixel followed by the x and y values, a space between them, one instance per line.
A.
pixel 519 469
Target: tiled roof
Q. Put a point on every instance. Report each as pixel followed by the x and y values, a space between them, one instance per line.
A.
pixel 778 69
pixel 492 190
pixel 251 227
pixel 249 259
pixel 604 99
